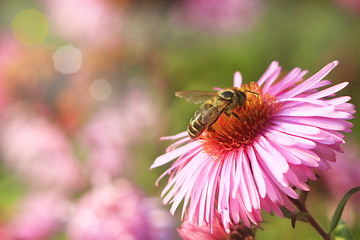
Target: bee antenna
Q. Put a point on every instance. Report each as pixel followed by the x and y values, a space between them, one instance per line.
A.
pixel 252 92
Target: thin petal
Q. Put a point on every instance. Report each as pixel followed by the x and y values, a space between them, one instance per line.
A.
pixel 310 81
pixel 321 122
pixel 306 111
pixel 339 100
pixel 294 76
pixel 249 179
pixel 271 79
pixel 260 182
pixel 237 80
pixel 328 91
pixel 304 100
pixel 175 137
pixel 167 157
pixel 273 66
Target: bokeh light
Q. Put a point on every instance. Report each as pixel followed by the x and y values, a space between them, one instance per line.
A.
pixel 67 59
pixel 30 26
pixel 100 90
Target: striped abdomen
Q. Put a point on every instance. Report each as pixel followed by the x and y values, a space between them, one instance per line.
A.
pixel 196 125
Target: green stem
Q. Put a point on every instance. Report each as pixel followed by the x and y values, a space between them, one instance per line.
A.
pixel 310 219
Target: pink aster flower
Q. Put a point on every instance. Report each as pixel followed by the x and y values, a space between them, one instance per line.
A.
pixel 252 161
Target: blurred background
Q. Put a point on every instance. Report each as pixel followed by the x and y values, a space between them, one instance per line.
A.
pixel 87 89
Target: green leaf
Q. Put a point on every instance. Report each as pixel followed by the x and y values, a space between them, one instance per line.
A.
pixel 341 232
pixel 339 209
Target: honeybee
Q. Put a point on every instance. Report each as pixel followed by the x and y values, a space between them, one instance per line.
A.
pixel 214 104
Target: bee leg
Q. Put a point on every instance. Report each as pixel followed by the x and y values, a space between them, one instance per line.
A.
pixel 235 114
pixel 210 129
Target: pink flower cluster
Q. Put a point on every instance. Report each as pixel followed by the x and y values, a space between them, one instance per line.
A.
pixel 117 211
pixel 227 16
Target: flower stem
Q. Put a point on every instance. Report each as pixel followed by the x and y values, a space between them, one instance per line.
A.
pixel 310 219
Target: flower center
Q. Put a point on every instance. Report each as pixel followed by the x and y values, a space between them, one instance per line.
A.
pixel 243 126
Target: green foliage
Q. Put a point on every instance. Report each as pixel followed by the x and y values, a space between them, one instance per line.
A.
pixel 341 232
pixel 339 209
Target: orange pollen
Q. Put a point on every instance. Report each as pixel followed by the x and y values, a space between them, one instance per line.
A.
pixel 243 127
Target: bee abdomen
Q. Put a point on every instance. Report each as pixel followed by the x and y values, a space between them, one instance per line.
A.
pixel 196 127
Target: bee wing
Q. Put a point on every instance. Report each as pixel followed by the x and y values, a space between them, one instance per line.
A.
pixel 212 114
pixel 196 96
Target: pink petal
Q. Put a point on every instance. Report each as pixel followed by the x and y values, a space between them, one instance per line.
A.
pixel 211 190
pixel 224 191
pixel 249 180
pixel 325 152
pixel 271 79
pixel 258 176
pixel 175 137
pixel 273 66
pixel 320 84
pixel 176 144
pixel 310 81
pixel 167 157
pixel 298 101
pixel 339 100
pixel 340 115
pixel 321 122
pixel 238 171
pixel 275 158
pixel 294 76
pixel 305 129
pixel 322 136
pixel 191 171
pixel 237 80
pixel 244 193
pixel 328 91
pixel 307 157
pixel 285 139
pixel 306 111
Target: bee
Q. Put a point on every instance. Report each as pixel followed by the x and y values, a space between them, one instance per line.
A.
pixel 214 104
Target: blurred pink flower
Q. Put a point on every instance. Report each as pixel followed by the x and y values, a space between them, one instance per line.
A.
pixel 111 132
pixel 105 138
pixel 350 5
pixel 39 216
pixel 141 114
pixel 90 22
pixel 218 16
pixel 38 151
pixel 189 231
pixel 344 175
pixel 117 211
pixel 4 232
pixel 251 161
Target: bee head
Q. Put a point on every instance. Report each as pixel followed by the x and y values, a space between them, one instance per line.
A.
pixel 227 95
pixel 241 98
